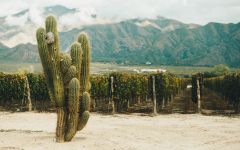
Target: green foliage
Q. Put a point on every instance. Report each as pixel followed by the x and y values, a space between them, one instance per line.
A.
pixel 130 88
pixel 38 87
pixel 227 86
pixel 11 87
pixel 127 87
pixel 220 69
pixel 99 86
pixel 167 85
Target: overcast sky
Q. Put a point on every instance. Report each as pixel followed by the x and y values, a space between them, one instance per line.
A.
pixel 188 11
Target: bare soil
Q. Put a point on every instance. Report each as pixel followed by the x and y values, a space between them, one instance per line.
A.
pixel 36 131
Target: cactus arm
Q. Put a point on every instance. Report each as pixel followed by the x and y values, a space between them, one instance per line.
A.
pixel 51 26
pixel 85 70
pixel 83 120
pixel 84 81
pixel 42 49
pixel 84 111
pixel 65 63
pixel 85 102
pixel 73 103
pixel 71 73
pixel 76 55
pixel 53 50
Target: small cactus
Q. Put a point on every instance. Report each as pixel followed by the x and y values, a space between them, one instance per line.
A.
pixel 67 78
pixel 84 110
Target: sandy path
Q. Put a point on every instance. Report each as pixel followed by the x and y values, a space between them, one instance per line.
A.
pixel 32 131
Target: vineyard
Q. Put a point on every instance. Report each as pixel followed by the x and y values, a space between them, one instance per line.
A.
pixel 228 87
pixel 123 92
pixel 127 90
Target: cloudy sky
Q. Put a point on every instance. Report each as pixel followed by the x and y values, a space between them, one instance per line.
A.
pixel 189 11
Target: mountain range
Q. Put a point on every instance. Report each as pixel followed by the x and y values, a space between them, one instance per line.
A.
pixel 159 41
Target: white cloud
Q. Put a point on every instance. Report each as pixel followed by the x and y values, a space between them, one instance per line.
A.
pixel 35 14
pixel 189 11
pixel 83 16
pixel 108 11
pixel 16 21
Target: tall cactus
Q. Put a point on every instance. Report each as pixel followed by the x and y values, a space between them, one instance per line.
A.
pixel 67 78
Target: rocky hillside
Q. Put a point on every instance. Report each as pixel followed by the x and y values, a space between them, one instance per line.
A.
pixel 162 41
pixel 26 53
pixel 137 41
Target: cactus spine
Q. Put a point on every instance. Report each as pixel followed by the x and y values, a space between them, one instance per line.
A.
pixel 67 78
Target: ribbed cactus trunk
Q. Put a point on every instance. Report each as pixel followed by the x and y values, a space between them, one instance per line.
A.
pixel 85 81
pixel 67 79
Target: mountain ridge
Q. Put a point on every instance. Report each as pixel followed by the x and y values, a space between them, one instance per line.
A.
pixel 127 43
pixel 160 41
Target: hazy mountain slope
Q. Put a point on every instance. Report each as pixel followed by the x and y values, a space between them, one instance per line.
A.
pixel 159 41
pixel 20 53
pixel 129 43
pixel 208 45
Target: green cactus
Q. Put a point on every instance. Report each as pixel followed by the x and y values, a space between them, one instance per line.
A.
pixel 84 111
pixel 85 103
pixel 76 54
pixel 83 120
pixel 85 81
pixel 65 63
pixel 73 103
pixel 67 78
pixel 71 73
pixel 85 71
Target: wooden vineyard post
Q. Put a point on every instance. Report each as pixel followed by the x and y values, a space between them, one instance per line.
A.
pixel 197 86
pixel 93 103
pixel 112 98
pixel 171 98
pixel 198 96
pixel 27 92
pixel 163 103
pixel 154 96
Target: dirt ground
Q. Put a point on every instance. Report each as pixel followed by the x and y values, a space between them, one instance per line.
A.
pixel 36 131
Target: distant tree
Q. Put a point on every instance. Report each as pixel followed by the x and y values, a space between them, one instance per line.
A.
pixel 220 69
pixel 208 74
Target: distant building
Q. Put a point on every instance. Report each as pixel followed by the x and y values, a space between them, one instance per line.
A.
pixel 148 63
pixel 152 70
pixel 136 70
